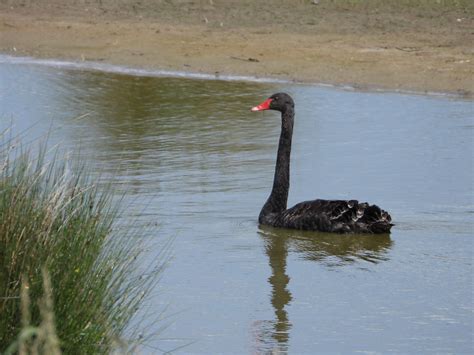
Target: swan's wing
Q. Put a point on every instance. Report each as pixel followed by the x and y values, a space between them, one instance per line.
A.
pixel 337 216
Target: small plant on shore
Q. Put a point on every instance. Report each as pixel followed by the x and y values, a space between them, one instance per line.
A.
pixel 60 222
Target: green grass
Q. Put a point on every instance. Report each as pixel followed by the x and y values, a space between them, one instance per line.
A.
pixel 403 3
pixel 43 338
pixel 60 222
pixel 421 7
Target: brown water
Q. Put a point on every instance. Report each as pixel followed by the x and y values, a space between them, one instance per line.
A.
pixel 197 165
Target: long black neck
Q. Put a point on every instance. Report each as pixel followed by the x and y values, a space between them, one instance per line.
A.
pixel 281 183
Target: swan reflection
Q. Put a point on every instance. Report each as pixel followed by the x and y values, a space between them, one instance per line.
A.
pixel 330 250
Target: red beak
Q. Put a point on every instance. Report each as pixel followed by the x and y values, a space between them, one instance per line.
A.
pixel 265 105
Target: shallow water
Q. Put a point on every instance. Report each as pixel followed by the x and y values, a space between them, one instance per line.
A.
pixel 196 164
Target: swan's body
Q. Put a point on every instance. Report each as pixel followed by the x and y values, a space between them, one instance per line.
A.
pixel 319 215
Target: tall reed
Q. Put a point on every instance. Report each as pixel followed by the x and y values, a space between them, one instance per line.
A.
pixel 60 221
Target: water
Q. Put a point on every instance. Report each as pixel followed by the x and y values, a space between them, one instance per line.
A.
pixel 197 165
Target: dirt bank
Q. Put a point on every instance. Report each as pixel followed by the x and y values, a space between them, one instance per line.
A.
pixel 366 44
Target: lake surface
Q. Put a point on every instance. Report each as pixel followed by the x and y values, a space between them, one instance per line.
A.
pixel 197 165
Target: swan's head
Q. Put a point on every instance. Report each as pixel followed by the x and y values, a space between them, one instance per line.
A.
pixel 279 102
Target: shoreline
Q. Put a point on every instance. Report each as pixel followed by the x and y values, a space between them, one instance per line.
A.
pixel 147 72
pixel 417 52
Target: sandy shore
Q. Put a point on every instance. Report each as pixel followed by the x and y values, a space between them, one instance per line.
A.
pixel 364 46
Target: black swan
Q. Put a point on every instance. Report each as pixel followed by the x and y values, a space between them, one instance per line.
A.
pixel 337 216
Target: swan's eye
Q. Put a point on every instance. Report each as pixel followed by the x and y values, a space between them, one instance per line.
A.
pixel 276 98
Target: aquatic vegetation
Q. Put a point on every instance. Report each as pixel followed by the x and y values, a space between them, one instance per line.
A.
pixel 65 262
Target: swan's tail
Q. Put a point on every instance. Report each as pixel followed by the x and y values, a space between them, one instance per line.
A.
pixel 378 220
pixel 381 227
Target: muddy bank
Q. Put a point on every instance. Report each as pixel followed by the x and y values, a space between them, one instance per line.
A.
pixel 379 45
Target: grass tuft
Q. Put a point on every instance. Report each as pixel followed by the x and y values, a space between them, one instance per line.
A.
pixel 60 244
